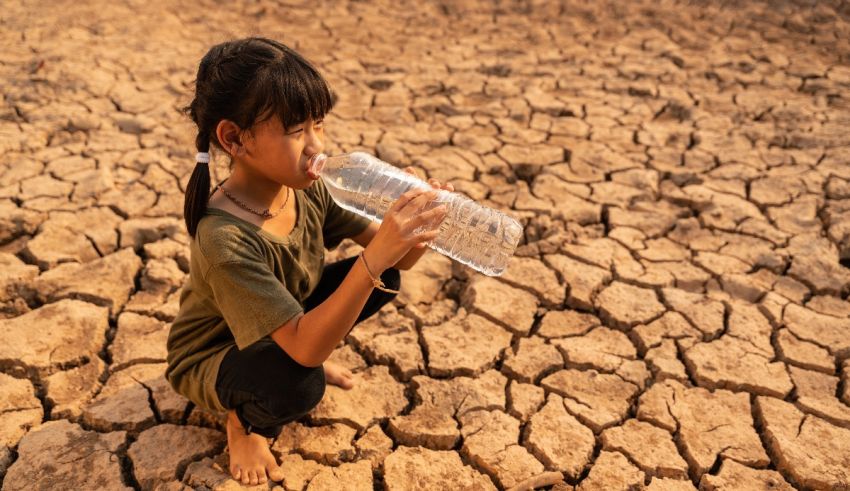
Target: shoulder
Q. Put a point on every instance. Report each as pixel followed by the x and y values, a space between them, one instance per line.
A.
pixel 223 239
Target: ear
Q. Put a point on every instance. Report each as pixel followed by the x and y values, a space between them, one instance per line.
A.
pixel 229 134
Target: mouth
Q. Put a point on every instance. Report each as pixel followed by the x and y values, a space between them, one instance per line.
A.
pixel 315 164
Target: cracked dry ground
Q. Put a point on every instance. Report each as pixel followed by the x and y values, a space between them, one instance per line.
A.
pixel 676 316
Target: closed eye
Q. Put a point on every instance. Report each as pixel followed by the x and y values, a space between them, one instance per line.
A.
pixel 318 125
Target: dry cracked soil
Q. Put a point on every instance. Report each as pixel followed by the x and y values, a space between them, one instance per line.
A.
pixel 676 316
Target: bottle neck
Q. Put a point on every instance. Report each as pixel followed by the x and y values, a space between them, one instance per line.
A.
pixel 315 165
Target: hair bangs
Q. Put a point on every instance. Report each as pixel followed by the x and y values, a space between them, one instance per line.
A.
pixel 294 91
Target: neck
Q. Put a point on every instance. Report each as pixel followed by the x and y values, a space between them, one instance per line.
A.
pixel 256 188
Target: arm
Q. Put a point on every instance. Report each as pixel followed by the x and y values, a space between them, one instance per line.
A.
pixel 405 263
pixel 410 259
pixel 310 338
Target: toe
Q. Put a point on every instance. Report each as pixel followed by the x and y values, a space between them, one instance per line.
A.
pixel 275 473
pixel 254 479
pixel 246 477
pixel 236 472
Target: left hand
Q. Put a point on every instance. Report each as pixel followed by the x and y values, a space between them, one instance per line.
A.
pixel 432 181
pixel 434 184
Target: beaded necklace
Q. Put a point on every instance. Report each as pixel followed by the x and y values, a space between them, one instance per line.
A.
pixel 265 213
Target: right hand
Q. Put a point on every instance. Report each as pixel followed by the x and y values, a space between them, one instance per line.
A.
pixel 396 235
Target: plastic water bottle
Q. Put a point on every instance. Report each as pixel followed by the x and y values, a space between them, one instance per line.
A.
pixel 475 235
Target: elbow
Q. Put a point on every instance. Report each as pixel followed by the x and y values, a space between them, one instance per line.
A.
pixel 309 362
pixel 305 359
pixel 286 337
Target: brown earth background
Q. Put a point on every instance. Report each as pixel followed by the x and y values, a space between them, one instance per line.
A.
pixel 675 318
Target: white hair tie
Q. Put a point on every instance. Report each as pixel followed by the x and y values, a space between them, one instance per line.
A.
pixel 202 157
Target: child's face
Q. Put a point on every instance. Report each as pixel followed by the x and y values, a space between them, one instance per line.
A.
pixel 281 154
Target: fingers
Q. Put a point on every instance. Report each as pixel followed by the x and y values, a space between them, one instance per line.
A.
pixel 433 181
pixel 433 214
pixel 412 170
pixel 405 198
pixel 436 184
pixel 419 201
pixel 429 220
pixel 425 237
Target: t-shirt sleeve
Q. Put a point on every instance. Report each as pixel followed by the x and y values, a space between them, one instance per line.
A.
pixel 251 299
pixel 339 223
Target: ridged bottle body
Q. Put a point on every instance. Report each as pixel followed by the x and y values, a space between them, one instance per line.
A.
pixel 475 235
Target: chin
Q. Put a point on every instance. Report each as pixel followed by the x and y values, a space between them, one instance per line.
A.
pixel 305 184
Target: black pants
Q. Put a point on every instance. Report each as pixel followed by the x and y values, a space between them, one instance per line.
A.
pixel 265 386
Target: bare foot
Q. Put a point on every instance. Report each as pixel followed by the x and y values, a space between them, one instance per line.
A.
pixel 250 457
pixel 338 375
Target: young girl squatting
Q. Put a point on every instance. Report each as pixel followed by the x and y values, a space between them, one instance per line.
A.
pixel 260 313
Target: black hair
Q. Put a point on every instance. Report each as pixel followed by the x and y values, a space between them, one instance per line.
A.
pixel 248 81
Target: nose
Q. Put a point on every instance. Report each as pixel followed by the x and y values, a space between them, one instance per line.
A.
pixel 314 145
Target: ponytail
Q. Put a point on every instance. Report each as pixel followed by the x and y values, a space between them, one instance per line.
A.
pixel 198 190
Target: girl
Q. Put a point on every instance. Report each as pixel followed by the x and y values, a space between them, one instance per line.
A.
pixel 242 342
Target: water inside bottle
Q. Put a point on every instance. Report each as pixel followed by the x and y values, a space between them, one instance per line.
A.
pixel 351 188
pixel 474 235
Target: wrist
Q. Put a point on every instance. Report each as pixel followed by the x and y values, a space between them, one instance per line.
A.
pixel 374 265
pixel 374 275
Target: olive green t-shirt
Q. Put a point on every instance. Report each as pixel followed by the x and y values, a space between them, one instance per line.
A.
pixel 245 282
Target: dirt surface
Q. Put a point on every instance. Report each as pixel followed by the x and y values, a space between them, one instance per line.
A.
pixel 676 316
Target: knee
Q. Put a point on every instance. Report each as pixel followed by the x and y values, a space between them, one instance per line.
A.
pixel 295 398
pixel 308 394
